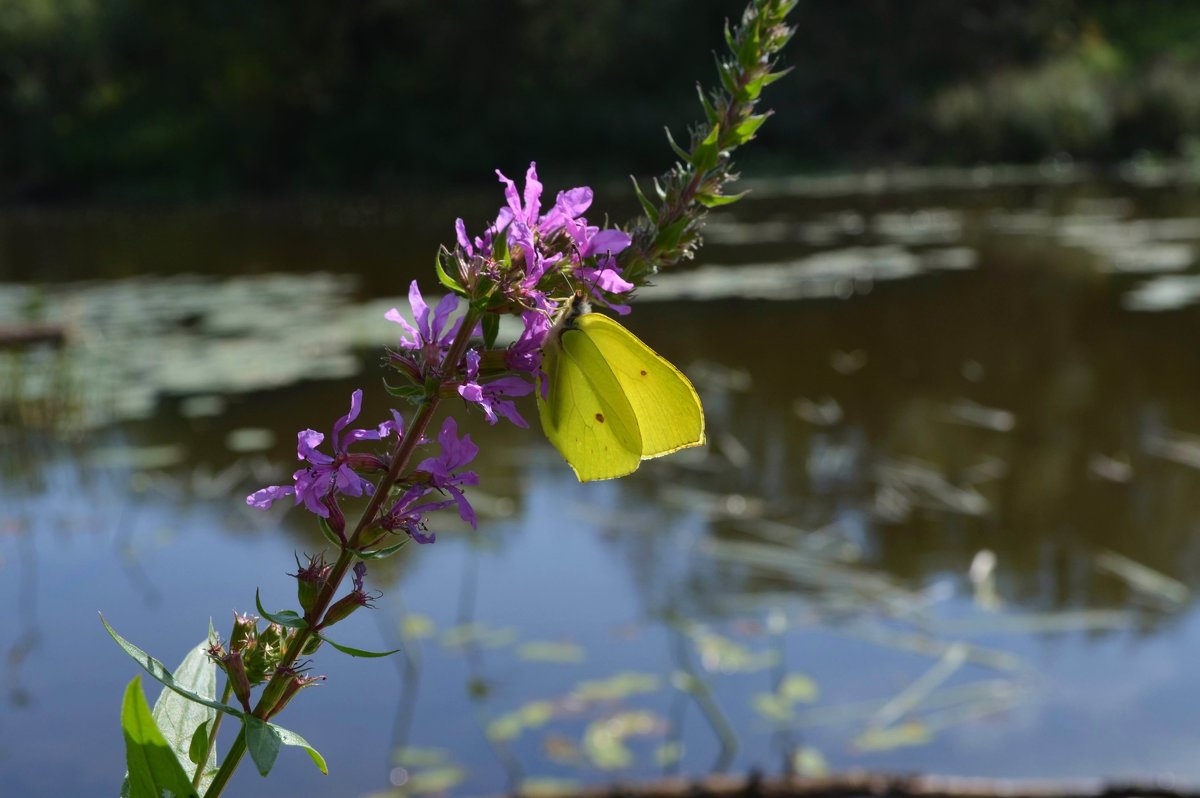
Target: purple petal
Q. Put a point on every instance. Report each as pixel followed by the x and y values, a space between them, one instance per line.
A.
pixel 510 194
pixel 465 511
pixel 414 338
pixel 344 421
pixel 471 391
pixel 396 425
pixel 444 308
pixel 307 441
pixel 460 232
pixel 265 497
pixel 609 242
pixel 420 310
pixel 533 194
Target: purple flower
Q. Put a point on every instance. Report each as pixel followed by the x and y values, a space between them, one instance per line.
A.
pixel 525 354
pixel 456 453
pixel 326 476
pixel 430 339
pixel 493 396
pixel 408 514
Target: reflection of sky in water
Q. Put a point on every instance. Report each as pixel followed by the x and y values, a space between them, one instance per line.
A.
pixel 880 444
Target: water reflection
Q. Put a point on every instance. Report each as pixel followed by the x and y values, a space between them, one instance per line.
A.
pixel 945 520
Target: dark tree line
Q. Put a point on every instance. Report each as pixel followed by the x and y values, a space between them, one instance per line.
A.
pixel 167 98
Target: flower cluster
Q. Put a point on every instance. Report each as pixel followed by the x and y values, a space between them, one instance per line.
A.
pixel 326 479
pixel 525 264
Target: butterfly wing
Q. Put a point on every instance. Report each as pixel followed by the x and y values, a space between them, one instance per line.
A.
pixel 585 413
pixel 666 406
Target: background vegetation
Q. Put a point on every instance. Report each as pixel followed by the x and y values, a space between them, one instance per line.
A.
pixel 165 98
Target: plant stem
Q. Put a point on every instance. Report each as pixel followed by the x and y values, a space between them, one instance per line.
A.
pixel 232 757
pixel 212 736
pixel 401 457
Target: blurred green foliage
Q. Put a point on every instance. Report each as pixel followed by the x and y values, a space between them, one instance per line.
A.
pixel 165 98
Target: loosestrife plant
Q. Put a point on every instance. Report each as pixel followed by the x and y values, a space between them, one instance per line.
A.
pixel 535 256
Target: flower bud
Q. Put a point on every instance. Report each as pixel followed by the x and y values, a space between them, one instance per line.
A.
pixel 311 580
pixel 358 597
pixel 341 609
pixel 294 684
pixel 235 669
pixel 245 632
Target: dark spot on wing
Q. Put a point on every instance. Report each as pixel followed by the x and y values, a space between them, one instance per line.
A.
pixel 600 417
pixel 643 372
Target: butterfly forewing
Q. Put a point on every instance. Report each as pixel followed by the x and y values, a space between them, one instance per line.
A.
pixel 585 414
pixel 665 404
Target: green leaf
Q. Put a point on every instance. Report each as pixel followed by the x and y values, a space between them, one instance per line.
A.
pixel 668 237
pixel 379 554
pixel 647 208
pixel 285 618
pixel 680 151
pixel 198 747
pixel 357 652
pixel 710 112
pixel 728 80
pixel 410 392
pixel 328 532
pixel 263 741
pixel 748 127
pixel 179 719
pixel 159 672
pixel 717 200
pixel 153 769
pixel 491 328
pixel 444 278
pixel 705 155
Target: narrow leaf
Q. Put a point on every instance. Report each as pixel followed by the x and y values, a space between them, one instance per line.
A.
pixel 717 200
pixel 649 209
pixel 159 672
pixel 680 151
pixel 153 769
pixel 287 618
pixel 329 534
pixel 379 554
pixel 491 328
pixel 444 278
pixel 710 112
pixel 357 652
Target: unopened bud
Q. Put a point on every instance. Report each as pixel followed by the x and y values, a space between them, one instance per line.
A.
pixel 245 631
pixel 296 683
pixel 358 597
pixel 235 669
pixel 311 580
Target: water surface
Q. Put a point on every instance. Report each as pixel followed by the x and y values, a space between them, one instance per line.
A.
pixel 947 520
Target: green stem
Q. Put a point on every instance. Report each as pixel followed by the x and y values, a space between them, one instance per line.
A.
pixel 401 457
pixel 228 765
pixel 212 736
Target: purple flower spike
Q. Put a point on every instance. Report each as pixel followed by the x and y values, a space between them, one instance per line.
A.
pixel 456 453
pixel 325 476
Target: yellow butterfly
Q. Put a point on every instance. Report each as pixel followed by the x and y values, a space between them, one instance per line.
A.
pixel 610 400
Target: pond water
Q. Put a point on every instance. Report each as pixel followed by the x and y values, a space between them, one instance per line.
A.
pixel 947 520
